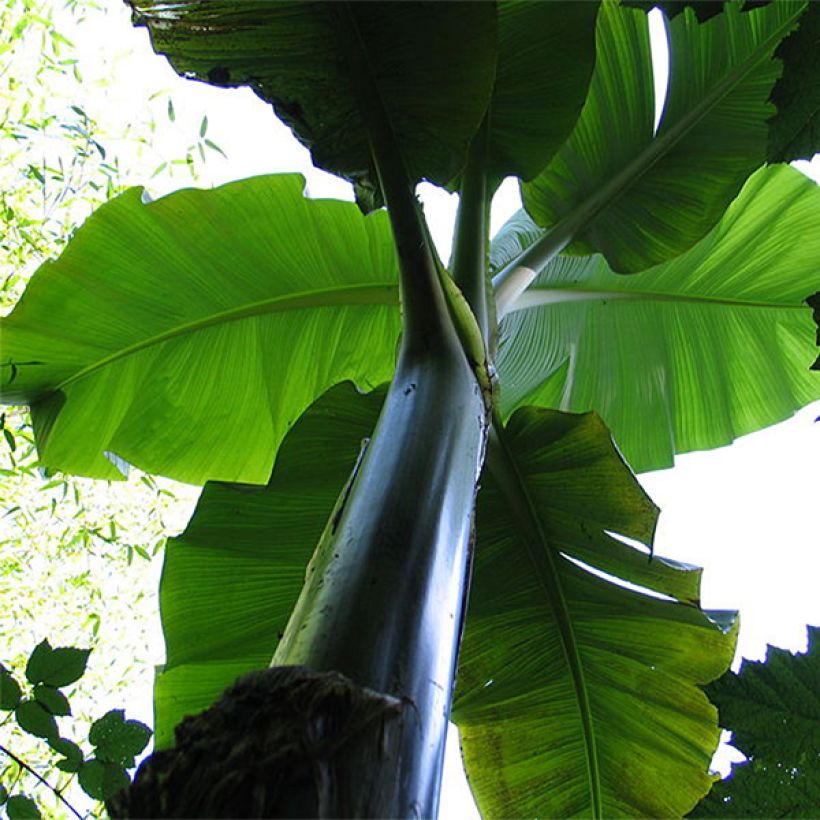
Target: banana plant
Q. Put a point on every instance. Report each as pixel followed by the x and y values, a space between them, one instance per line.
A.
pixel 350 532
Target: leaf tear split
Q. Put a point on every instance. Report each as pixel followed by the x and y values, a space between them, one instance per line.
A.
pixel 266 748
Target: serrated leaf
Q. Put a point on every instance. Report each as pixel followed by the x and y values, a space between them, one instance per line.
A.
pixel 9 690
pixel 72 754
pixel 773 711
pixel 56 667
pixel 794 131
pixel 101 780
pixel 20 807
pixel 35 720
pixel 52 699
pixel 118 740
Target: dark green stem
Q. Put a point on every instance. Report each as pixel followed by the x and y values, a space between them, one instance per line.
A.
pixel 423 303
pixel 471 238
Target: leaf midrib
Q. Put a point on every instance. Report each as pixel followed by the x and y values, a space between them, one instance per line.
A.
pixel 543 296
pixel 348 295
pixel 544 561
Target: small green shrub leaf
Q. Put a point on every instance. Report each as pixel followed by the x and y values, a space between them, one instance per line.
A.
pixel 9 690
pixel 100 779
pixel 56 667
pixel 21 807
pixel 73 754
pixel 4 794
pixel 53 700
pixel 34 719
pixel 118 740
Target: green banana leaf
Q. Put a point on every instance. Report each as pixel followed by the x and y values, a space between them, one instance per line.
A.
pixel 690 354
pixel 546 53
pixel 247 548
pixel 433 65
pixel 642 198
pixel 185 336
pixel 577 696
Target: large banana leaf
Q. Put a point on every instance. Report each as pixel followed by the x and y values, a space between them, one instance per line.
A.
pixel 578 696
pixel 432 63
pixel 546 52
pixel 185 336
pixel 690 354
pixel 230 581
pixel 247 548
pixel 641 198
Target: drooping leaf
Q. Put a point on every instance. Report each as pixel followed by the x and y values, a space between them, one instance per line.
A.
pixel 56 667
pixel 118 740
pixel 20 807
pixel 9 690
pixel 186 335
pixel 72 754
pixel 546 52
pixel 773 711
pixel 432 63
pixel 690 354
pixel 34 719
pixel 577 696
pixel 794 131
pixel 52 699
pixel 641 198
pixel 247 547
pixel 101 779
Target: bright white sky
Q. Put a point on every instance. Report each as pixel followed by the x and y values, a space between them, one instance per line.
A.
pixel 745 512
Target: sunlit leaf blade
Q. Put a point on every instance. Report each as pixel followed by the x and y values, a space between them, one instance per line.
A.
pixel 690 354
pixel 433 65
pixel 546 52
pixel 246 549
pixel 794 131
pixel 185 336
pixel 641 199
pixel 773 711
pixel 577 696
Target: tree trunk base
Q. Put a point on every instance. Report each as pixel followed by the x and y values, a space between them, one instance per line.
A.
pixel 267 748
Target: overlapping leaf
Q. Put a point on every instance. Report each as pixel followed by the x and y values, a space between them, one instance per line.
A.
pixel 246 550
pixel 185 336
pixel 576 695
pixel 641 198
pixel 546 52
pixel 433 65
pixel 690 354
